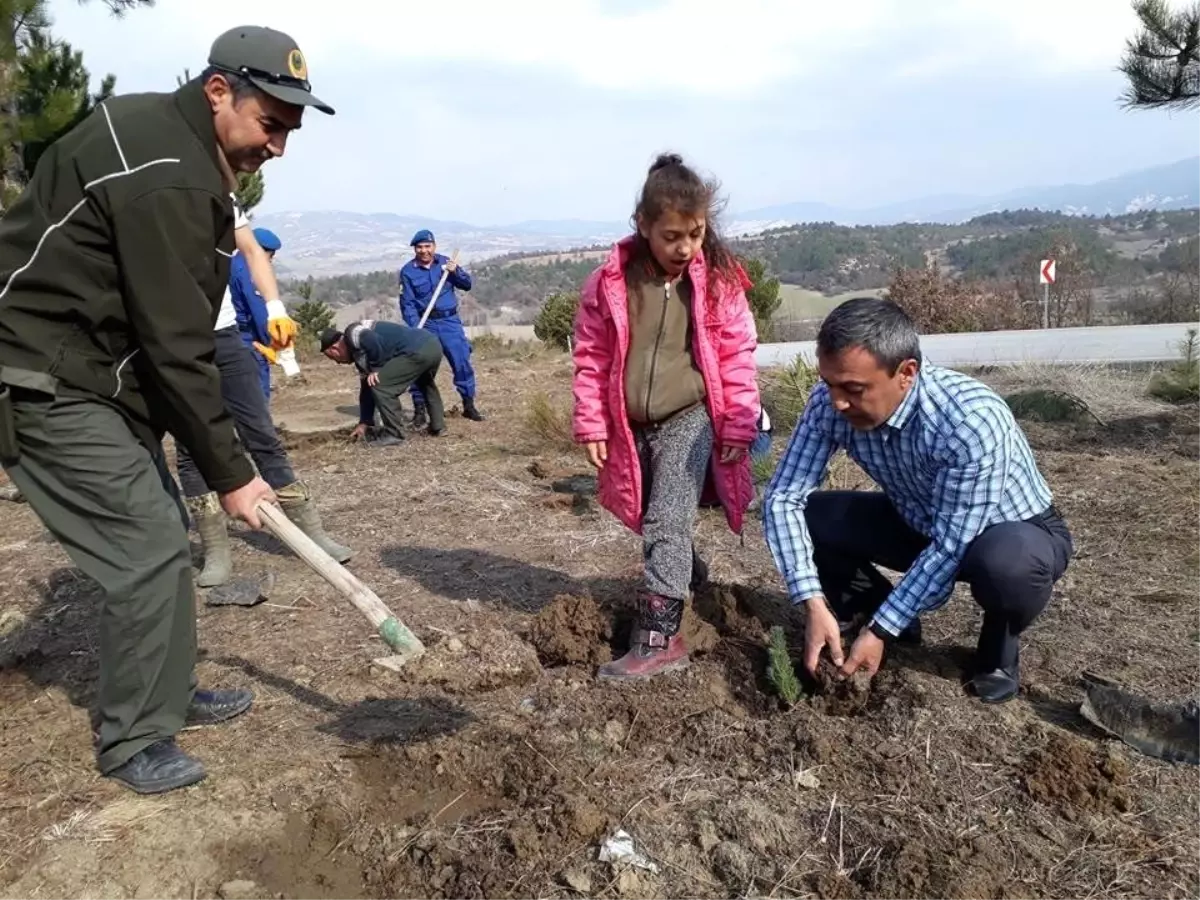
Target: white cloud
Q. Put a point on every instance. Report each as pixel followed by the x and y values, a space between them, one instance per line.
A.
pixel 498 110
pixel 676 45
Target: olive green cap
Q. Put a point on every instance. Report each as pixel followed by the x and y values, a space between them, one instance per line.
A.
pixel 270 60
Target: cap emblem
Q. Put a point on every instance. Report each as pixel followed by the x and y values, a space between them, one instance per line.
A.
pixel 296 65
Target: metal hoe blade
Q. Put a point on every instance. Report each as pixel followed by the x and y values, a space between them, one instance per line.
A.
pixel 1167 731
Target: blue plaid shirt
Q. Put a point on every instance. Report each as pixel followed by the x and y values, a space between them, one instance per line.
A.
pixel 951 459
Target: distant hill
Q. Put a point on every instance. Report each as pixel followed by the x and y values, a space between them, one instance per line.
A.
pixel 816 261
pixel 323 243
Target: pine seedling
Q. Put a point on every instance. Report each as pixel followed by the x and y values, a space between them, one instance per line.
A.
pixel 779 668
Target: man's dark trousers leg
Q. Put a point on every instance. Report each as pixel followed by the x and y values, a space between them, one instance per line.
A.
pixel 113 507
pixel 1011 567
pixel 241 389
pixel 452 337
pixel 418 369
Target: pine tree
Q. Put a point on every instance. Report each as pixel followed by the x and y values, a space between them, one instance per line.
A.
pixel 53 96
pixel 23 23
pixel 1162 61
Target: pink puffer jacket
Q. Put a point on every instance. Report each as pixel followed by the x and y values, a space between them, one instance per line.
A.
pixel 724 340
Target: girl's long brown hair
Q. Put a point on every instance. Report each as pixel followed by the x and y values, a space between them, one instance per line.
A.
pixel 672 185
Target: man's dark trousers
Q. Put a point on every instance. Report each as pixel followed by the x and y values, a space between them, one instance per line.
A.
pixel 241 389
pixel 399 373
pixel 1011 567
pixel 115 509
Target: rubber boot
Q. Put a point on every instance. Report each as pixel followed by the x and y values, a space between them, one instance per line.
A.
pixel 206 512
pixel 699 572
pixel 296 501
pixel 656 646
pixel 469 410
pixel 420 416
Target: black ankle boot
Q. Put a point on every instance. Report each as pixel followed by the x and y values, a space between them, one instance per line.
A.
pixel 420 416
pixel 469 410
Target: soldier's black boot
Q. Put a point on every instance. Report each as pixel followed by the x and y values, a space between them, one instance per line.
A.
pixel 469 410
pixel 420 416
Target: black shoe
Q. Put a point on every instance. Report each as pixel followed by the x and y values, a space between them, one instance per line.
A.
pixel 420 416
pixel 996 686
pixel 387 440
pixel 469 410
pixel 211 707
pixel 160 767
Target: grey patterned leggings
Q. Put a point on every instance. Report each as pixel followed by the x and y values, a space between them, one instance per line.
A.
pixel 674 457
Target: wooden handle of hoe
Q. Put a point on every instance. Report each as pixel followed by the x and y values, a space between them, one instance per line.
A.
pixel 436 291
pixel 394 632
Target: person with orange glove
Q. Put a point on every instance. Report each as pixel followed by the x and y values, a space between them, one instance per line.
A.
pixel 242 393
pixel 252 318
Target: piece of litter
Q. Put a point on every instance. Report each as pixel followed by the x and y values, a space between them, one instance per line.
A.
pixel 619 849
pixel 805 779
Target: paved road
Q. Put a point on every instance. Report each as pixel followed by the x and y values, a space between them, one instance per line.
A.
pixel 1101 344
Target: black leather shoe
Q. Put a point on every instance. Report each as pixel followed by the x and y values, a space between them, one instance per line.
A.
pixel 386 440
pixel 211 707
pixel 996 686
pixel 159 768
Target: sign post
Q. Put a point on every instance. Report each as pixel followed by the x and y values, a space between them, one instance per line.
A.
pixel 1046 278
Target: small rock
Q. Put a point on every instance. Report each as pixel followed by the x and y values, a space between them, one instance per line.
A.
pixel 454 645
pixel 708 836
pixel 11 620
pixel 805 779
pixel 527 705
pixel 331 470
pixel 578 881
pixel 615 732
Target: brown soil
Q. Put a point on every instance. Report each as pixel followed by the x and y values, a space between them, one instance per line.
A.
pixel 571 631
pixel 1069 772
pixel 496 765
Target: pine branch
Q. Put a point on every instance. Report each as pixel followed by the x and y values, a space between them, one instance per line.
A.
pixel 1162 62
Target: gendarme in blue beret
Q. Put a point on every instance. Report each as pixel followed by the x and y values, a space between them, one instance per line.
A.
pixel 267 239
pixel 421 237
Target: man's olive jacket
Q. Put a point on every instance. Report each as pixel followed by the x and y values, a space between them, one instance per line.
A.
pixel 113 264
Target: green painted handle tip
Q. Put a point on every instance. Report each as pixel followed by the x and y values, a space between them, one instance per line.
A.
pixel 397 635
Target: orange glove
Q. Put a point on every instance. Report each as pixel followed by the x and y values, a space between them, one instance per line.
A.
pixel 265 351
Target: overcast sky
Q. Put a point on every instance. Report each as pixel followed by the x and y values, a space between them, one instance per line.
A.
pixel 494 111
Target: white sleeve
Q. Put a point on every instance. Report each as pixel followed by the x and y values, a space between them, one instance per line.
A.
pixel 240 220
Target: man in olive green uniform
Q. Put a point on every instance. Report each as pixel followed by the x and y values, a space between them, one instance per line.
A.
pixel 113 264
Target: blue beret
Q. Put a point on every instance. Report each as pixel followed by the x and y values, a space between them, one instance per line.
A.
pixel 421 237
pixel 267 239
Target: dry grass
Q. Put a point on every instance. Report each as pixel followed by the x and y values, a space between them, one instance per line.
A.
pixel 549 422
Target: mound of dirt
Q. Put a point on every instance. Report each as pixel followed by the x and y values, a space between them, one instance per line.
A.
pixel 840 696
pixel 1068 774
pixel 698 635
pixel 486 660
pixel 571 631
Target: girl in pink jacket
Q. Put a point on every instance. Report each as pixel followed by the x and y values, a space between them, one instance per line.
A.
pixel 666 400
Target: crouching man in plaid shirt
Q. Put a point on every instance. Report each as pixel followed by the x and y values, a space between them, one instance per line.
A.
pixel 962 500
